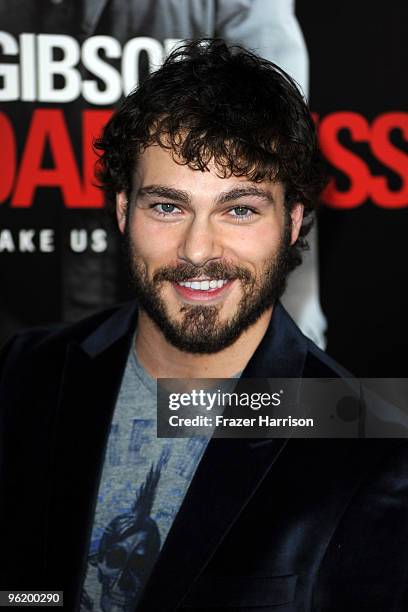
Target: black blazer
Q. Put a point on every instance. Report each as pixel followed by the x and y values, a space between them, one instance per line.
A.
pixel 288 525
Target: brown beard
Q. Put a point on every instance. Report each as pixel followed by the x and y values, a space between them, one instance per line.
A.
pixel 200 330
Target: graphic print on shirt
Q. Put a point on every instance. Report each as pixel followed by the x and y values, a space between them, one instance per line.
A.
pixel 128 549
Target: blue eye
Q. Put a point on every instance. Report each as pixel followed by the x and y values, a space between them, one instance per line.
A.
pixel 166 209
pixel 241 212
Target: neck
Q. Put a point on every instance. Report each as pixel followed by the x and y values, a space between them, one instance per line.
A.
pixel 163 360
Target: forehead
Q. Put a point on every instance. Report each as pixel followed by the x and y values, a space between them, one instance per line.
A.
pixel 160 166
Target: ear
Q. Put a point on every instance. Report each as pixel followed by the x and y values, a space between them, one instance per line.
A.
pixel 121 209
pixel 297 218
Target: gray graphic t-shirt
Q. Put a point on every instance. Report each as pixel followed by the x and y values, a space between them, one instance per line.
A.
pixel 143 483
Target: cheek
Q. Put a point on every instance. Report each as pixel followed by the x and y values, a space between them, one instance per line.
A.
pixel 149 242
pixel 258 245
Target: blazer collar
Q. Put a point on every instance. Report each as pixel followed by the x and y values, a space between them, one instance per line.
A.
pixel 122 323
pixel 280 354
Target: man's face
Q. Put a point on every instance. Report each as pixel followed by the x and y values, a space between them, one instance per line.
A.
pixel 208 255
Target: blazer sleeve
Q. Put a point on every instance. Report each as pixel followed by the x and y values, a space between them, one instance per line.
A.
pixel 365 565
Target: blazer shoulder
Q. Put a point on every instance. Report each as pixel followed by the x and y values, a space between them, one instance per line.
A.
pixel 47 341
pixel 319 364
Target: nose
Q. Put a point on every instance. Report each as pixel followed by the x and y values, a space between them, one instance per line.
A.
pixel 200 242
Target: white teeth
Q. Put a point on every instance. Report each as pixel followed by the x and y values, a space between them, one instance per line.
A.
pixel 203 285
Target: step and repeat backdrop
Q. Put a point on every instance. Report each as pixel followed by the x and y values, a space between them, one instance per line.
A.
pixel 64 65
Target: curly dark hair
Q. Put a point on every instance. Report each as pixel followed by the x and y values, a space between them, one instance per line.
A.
pixel 219 102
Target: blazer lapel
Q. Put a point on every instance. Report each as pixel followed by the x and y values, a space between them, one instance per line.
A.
pixel 91 381
pixel 281 352
pixel 229 474
pixel 226 479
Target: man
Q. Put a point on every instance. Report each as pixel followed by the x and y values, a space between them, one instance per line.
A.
pixel 93 280
pixel 214 170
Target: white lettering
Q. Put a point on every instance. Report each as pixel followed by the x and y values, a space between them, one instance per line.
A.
pixel 25 239
pixel 99 241
pixel 107 73
pixel 48 68
pixel 78 240
pixel 130 59
pixel 28 75
pixel 9 72
pixel 6 241
pixel 47 241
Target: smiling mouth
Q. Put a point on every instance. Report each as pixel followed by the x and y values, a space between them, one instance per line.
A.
pixel 203 289
pixel 203 284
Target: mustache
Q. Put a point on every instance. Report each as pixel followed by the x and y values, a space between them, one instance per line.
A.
pixel 213 270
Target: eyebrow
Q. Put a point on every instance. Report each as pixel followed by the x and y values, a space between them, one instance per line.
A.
pixel 165 192
pixel 242 192
pixel 185 197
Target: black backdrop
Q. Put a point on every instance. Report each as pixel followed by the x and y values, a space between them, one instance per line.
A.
pixel 358 59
